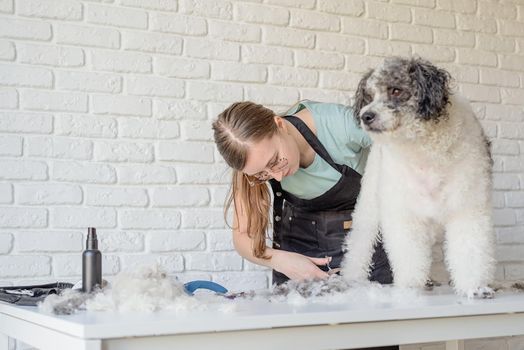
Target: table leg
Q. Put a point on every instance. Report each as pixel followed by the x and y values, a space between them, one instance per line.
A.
pixel 455 345
pixel 4 342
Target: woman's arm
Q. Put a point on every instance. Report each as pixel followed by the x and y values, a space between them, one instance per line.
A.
pixel 294 266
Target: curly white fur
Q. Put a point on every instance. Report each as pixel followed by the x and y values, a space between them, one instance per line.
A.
pixel 424 178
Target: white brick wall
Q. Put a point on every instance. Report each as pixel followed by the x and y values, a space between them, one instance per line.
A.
pixel 105 112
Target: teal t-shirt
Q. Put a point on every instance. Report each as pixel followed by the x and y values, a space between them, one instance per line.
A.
pixel 344 140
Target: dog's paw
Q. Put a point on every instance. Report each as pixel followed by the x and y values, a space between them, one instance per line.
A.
pixel 481 293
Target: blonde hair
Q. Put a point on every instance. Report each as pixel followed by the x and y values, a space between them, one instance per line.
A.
pixel 238 126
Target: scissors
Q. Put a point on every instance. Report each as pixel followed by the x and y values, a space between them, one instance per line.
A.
pixel 330 270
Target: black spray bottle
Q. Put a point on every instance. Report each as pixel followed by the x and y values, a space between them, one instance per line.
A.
pixel 91 263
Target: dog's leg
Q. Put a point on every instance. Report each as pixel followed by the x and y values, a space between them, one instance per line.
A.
pixel 360 242
pixel 470 254
pixel 359 251
pixel 408 245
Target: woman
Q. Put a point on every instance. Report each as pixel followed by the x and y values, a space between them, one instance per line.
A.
pixel 313 159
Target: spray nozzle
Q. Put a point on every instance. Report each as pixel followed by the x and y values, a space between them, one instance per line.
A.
pixel 92 241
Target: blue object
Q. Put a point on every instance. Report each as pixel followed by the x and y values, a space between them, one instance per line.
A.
pixel 191 287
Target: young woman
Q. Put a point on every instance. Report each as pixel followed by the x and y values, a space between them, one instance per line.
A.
pixel 313 158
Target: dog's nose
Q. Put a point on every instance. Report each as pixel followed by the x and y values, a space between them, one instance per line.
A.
pixel 368 117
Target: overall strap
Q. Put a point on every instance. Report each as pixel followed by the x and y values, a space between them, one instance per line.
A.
pixel 312 140
pixel 278 204
pixel 278 192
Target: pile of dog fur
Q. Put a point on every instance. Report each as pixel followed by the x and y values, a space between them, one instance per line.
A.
pixel 150 289
pixel 144 289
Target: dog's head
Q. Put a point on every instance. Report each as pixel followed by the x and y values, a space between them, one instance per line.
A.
pixel 402 94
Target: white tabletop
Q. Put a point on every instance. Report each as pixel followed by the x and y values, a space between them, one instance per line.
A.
pixel 261 314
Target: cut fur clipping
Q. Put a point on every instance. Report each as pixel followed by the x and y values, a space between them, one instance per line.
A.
pixel 147 288
pixel 67 303
pixel 336 290
pixel 150 289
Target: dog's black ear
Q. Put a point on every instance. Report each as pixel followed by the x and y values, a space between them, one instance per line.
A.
pixel 361 98
pixel 432 88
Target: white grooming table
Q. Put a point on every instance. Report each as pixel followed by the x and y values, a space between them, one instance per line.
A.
pixel 434 316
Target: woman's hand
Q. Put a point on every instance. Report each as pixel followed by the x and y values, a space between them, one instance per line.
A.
pixel 297 266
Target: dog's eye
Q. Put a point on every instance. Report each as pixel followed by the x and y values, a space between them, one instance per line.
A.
pixel 395 92
pixel 367 98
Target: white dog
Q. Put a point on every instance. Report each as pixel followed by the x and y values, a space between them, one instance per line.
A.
pixel 428 173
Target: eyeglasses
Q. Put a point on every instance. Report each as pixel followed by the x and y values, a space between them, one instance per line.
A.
pixel 263 176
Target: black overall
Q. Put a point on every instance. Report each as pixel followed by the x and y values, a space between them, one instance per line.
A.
pixel 317 227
